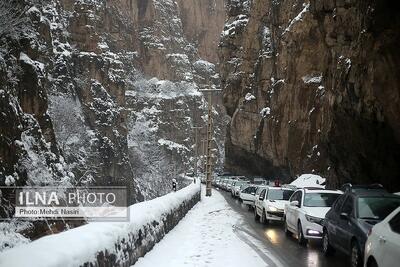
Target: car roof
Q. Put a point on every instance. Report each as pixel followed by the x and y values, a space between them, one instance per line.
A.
pixel 320 190
pixel 279 188
pixel 371 193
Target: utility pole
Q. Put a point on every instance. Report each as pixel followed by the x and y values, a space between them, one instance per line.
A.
pixel 203 162
pixel 196 149
pixel 209 140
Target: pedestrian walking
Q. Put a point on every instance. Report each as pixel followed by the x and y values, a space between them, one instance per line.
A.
pixel 174 184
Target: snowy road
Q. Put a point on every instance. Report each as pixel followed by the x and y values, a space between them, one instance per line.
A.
pixel 285 249
pixel 208 236
pixel 219 231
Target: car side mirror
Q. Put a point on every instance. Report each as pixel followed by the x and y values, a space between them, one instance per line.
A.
pixel 260 198
pixel 253 193
pixel 344 216
pixel 294 203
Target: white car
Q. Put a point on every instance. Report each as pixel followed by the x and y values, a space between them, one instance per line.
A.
pixel 247 195
pixel 258 192
pixel 236 187
pixel 305 212
pixel 232 180
pixel 270 204
pixel 383 244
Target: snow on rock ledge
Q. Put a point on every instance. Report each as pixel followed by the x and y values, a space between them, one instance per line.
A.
pixel 309 180
pixel 106 243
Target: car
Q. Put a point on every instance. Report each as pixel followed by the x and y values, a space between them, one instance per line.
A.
pixel 224 184
pixel 228 184
pixel 305 213
pixel 247 195
pixel 236 187
pixel 259 181
pixel 216 181
pixel 231 180
pixel 258 192
pixel 383 244
pixel 353 214
pixel 270 204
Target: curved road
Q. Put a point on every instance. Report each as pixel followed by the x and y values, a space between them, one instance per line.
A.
pixel 278 248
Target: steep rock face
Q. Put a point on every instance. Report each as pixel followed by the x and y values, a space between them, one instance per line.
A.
pixel 104 93
pixel 202 24
pixel 313 86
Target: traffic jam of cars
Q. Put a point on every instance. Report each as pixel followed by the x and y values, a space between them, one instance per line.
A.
pixel 361 221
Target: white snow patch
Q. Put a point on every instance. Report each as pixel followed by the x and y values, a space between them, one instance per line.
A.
pixel 309 180
pixel 249 97
pixel 231 28
pixel 38 66
pixel 9 180
pixel 312 79
pixel 171 145
pixel 265 112
pixel 298 18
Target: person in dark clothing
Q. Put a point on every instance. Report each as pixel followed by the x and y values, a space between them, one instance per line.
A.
pixel 174 184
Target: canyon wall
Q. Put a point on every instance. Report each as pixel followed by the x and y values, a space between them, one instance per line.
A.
pixel 313 87
pixel 104 92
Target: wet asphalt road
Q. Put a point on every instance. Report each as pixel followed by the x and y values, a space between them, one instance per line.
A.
pixel 285 250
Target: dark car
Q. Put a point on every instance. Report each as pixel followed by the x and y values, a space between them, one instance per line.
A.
pixel 352 215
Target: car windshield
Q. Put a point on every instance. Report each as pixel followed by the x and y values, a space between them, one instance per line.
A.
pixel 320 199
pixel 376 207
pixel 279 194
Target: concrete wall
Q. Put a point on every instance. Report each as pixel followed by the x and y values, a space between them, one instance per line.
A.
pixel 108 243
pixel 140 242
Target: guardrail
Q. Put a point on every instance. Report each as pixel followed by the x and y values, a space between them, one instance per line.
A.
pixel 106 243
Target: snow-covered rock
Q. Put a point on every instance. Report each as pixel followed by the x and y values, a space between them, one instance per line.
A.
pixel 309 180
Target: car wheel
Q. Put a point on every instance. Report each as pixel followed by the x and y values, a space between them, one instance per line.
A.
pixel 300 236
pixel 256 216
pixel 287 232
pixel 372 262
pixel 355 256
pixel 326 246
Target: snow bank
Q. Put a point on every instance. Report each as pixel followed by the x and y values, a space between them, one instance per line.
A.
pixel 114 243
pixel 309 180
pixel 212 234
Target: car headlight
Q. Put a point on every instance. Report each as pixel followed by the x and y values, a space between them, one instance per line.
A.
pixel 271 208
pixel 316 220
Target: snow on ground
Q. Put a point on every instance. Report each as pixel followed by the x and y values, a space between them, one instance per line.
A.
pixel 205 237
pixel 309 180
pixel 79 245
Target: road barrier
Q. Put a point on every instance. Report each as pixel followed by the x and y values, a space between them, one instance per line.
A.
pixel 108 243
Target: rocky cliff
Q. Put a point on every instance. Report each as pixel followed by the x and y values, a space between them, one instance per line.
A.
pixel 101 92
pixel 313 86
